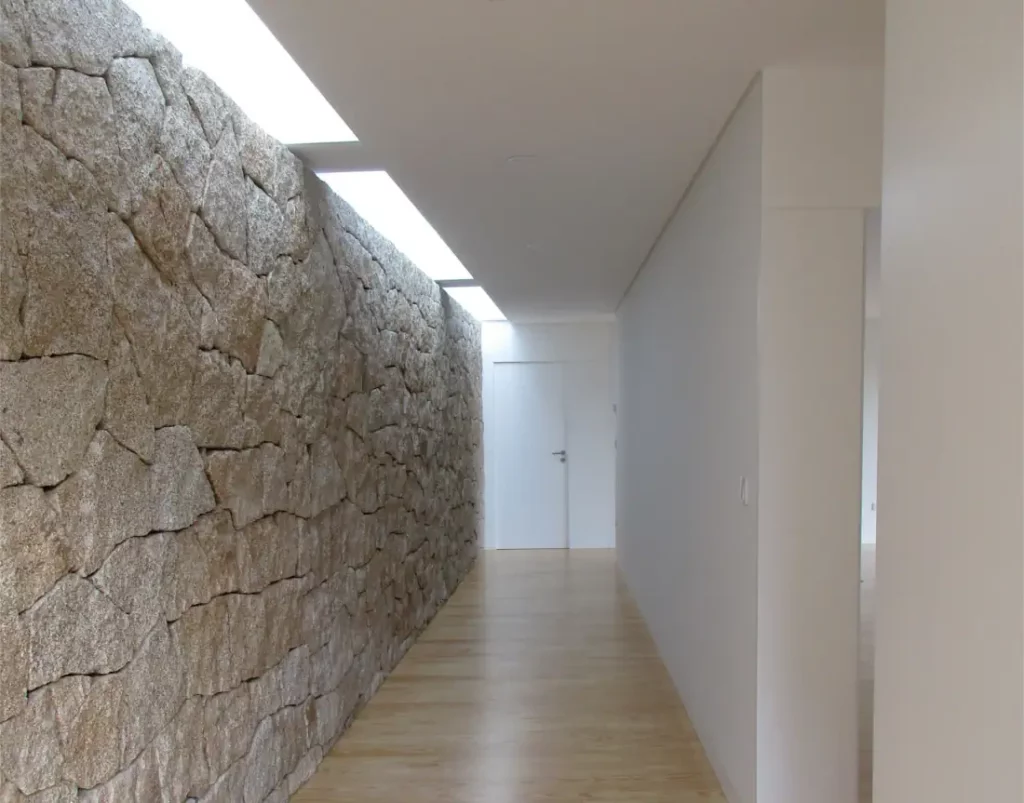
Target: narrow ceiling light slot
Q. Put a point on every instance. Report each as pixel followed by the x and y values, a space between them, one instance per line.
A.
pixel 476 302
pixel 381 202
pixel 229 42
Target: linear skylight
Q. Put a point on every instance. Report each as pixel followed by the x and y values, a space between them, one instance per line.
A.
pixel 382 204
pixel 477 303
pixel 229 42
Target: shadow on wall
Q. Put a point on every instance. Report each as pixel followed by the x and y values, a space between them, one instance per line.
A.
pixel 240 433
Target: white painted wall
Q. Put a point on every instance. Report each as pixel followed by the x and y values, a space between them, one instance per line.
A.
pixel 822 137
pixel 873 263
pixel 949 718
pixel 811 335
pixel 822 168
pixel 687 435
pixel 742 357
pixel 586 352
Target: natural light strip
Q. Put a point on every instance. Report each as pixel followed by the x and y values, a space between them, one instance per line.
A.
pixel 477 303
pixel 382 204
pixel 229 42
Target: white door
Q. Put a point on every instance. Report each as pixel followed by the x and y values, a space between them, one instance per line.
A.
pixel 531 461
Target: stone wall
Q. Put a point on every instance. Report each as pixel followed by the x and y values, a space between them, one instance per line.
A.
pixel 239 433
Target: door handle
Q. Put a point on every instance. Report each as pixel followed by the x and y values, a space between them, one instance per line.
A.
pixel 561 453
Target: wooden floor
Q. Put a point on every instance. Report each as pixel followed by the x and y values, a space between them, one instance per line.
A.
pixel 537 682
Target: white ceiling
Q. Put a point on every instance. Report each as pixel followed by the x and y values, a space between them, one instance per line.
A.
pixel 615 101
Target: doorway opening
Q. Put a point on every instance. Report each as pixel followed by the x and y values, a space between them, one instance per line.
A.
pixel 869 494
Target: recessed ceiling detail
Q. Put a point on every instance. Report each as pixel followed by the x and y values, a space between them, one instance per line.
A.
pixel 476 302
pixel 619 100
pixel 382 204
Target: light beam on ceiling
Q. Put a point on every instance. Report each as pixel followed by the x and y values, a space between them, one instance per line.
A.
pixel 476 302
pixel 229 42
pixel 381 202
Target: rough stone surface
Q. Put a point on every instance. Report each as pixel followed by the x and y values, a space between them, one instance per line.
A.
pixel 132 578
pixel 128 417
pixel 84 129
pixel 267 552
pixel 224 203
pixel 271 350
pixel 267 162
pixel 279 744
pixel 30 748
pixel 172 768
pixel 283 685
pixel 37 85
pixel 76 630
pixel 122 713
pixel 32 547
pixel 210 106
pixel 13 665
pixel 251 483
pixel 103 503
pixel 228 788
pixel 181 492
pixel 84 35
pixel 63 793
pixel 326 480
pixel 304 769
pixel 239 433
pixel 266 230
pixel 216 412
pixel 49 409
pixel 10 471
pixel 14 47
pixel 179 756
pixel 200 564
pixel 138 107
pixel 163 336
pixel 238 636
pixel 161 219
pixel 237 298
pixel 12 283
pixel 263 409
pixel 186 150
pixel 67 305
pixel 230 722
pixel 14 204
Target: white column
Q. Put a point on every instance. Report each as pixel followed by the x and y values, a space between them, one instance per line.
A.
pixel 950 660
pixel 822 169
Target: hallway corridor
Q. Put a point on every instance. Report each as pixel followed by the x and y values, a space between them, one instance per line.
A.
pixel 537 682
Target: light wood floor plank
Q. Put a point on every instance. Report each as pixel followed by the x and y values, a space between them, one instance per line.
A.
pixel 538 682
